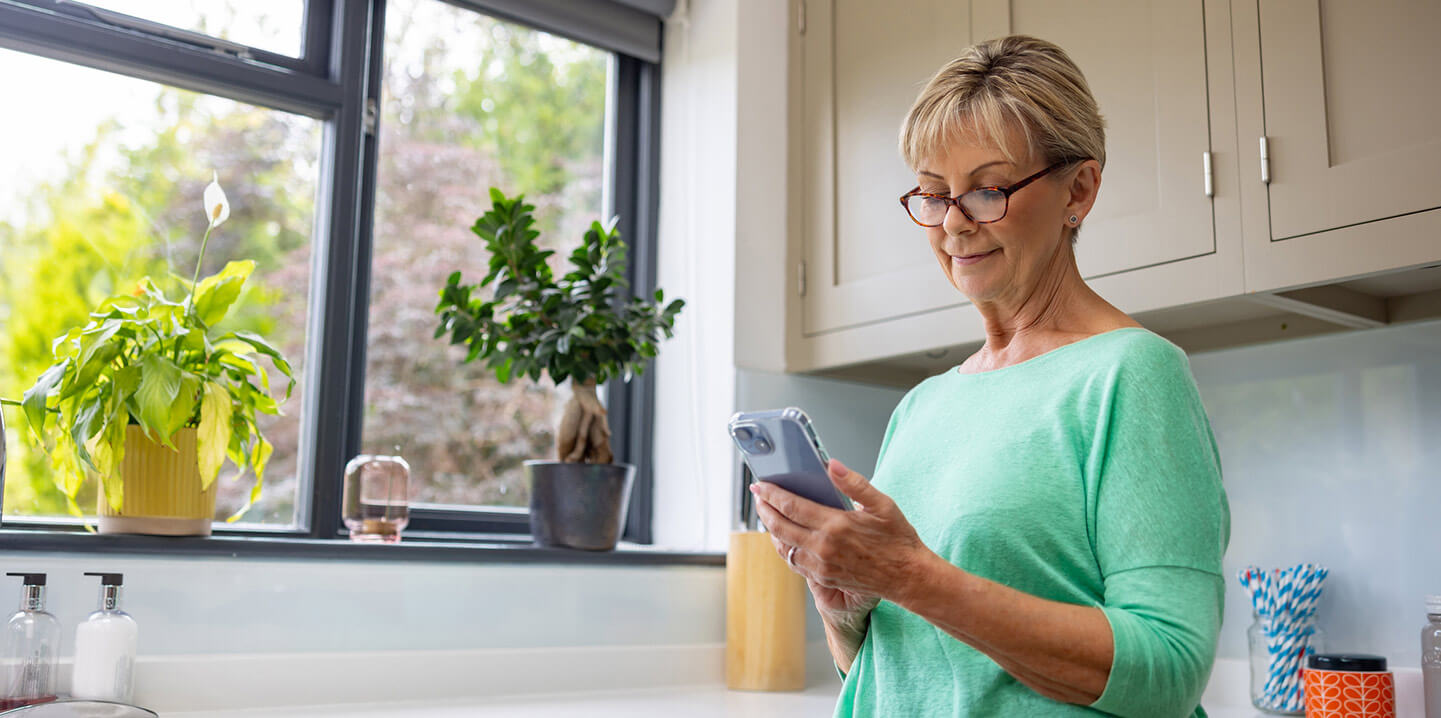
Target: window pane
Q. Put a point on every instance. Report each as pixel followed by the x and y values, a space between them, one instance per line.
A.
pixel 105 187
pixel 470 102
pixel 273 25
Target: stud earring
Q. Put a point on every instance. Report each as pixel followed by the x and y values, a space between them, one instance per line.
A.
pixel 1074 219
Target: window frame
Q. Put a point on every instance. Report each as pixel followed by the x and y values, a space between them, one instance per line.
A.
pixel 337 80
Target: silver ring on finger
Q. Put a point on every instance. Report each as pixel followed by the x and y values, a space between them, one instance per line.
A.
pixel 791 557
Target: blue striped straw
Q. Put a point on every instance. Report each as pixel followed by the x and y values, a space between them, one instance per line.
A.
pixel 1292 594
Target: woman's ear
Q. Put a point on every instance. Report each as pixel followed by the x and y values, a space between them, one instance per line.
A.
pixel 1083 188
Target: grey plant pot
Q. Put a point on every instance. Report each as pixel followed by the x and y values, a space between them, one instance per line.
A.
pixel 578 505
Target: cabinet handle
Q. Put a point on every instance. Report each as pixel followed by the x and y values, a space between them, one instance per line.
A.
pixel 1206 168
pixel 1265 162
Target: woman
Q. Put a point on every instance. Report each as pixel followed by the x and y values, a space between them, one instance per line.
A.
pixel 1044 531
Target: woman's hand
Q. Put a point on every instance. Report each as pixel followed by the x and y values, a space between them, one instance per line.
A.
pixel 850 559
pixel 844 610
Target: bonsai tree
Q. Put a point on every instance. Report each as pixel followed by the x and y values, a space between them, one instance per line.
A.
pixel 158 362
pixel 587 326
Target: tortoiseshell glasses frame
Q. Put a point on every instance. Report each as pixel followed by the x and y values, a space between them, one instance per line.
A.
pixel 983 201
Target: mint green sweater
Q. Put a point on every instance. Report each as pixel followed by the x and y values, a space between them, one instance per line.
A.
pixel 1086 475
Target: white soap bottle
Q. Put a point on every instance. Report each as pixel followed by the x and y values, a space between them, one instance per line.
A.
pixel 105 648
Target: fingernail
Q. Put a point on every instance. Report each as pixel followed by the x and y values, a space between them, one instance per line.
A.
pixel 754 489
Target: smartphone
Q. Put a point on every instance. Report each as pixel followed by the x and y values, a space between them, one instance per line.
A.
pixel 781 446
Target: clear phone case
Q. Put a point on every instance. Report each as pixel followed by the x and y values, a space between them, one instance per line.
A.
pixel 781 446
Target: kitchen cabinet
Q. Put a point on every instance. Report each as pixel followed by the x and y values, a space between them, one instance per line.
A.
pixel 862 63
pixel 1345 99
pixel 1162 233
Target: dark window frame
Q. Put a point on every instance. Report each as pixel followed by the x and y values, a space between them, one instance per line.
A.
pixel 335 80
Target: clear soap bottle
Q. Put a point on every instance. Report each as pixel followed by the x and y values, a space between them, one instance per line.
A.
pixel 1431 656
pixel 105 647
pixel 32 637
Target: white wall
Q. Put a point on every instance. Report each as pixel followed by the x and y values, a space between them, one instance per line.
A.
pixel 695 375
pixel 234 606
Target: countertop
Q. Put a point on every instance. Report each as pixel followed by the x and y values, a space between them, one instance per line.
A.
pixel 1226 697
pixel 690 701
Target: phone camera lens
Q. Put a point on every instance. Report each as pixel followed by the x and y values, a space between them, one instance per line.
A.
pixel 743 433
pixel 763 446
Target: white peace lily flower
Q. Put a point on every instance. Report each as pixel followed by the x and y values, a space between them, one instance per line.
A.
pixel 217 208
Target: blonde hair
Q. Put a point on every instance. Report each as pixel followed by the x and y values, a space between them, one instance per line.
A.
pixel 1016 84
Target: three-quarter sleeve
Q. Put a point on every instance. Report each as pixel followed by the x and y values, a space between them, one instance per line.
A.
pixel 1161 526
pixel 1164 623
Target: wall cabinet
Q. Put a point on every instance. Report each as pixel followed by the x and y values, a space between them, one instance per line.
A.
pixel 1185 234
pixel 1345 98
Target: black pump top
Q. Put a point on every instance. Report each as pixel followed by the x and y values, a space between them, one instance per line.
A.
pixel 31 579
pixel 109 579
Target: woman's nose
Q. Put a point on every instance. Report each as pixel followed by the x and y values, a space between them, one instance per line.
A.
pixel 957 222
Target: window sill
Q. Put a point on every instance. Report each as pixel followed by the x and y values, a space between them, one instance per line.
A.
pixel 416 547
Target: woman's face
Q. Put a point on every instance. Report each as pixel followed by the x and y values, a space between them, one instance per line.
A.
pixel 1000 261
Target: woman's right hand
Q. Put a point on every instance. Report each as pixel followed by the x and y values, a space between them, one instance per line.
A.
pixel 843 609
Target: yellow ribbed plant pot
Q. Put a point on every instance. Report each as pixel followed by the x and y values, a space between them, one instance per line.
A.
pixel 161 491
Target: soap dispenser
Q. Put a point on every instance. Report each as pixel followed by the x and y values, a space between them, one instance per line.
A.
pixel 105 647
pixel 32 637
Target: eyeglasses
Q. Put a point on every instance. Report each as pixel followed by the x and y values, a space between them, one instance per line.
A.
pixel 982 206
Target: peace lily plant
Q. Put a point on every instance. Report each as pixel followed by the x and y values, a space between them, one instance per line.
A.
pixel 149 360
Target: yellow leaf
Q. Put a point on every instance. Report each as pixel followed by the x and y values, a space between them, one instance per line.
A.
pixel 213 436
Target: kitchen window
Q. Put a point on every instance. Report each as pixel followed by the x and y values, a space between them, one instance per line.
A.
pixel 103 190
pixel 357 142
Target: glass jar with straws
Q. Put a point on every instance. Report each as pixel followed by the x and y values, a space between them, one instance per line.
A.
pixel 1283 634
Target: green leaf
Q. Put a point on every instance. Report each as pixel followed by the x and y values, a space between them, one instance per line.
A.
pixel 215 294
pixel 35 398
pixel 87 423
pixel 91 365
pixel 183 410
pixel 213 436
pixel 265 348
pixel 159 386
pixel 233 346
pixel 126 380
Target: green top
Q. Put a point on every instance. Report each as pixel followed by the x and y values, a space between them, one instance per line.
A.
pixel 1086 475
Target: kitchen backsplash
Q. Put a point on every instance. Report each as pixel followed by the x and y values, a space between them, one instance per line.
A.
pixel 1330 453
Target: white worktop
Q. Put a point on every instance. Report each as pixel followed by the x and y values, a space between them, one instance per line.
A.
pixel 691 701
pixel 1226 697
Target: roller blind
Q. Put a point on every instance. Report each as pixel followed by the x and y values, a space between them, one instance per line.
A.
pixel 631 27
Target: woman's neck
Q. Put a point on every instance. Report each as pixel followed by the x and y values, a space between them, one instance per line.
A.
pixel 1061 308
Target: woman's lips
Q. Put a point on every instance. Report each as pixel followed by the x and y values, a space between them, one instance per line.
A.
pixel 972 258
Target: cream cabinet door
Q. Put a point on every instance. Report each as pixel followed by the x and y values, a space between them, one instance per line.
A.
pixel 863 63
pixel 1145 61
pixel 1347 98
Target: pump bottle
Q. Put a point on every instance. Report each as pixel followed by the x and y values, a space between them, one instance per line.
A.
pixel 105 647
pixel 31 640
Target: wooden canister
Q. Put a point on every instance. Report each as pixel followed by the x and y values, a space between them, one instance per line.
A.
pixel 765 617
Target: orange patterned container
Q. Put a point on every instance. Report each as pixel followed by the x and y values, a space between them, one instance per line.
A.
pixel 1349 686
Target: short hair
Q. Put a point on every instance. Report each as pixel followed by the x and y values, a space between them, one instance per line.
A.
pixel 1015 84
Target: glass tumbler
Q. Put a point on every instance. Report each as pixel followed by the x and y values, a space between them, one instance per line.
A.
pixel 375 504
pixel 1276 670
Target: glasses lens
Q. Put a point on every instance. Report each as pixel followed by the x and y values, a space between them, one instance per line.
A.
pixel 985 205
pixel 927 210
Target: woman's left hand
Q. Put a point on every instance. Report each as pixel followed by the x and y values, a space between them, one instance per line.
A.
pixel 872 550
